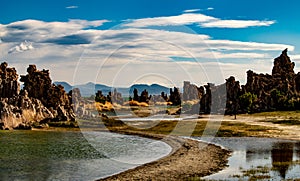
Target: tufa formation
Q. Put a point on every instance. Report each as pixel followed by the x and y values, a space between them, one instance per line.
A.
pixel 262 92
pixel 38 103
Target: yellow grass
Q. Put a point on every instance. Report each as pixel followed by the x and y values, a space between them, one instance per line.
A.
pixel 104 107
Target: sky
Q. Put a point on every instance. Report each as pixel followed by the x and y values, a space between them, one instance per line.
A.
pixel 124 42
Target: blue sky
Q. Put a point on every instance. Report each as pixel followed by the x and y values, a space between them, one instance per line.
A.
pixel 140 41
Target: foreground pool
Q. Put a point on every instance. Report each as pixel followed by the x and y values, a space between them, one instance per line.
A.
pixel 55 155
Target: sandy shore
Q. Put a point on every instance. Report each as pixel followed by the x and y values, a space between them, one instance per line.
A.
pixel 188 159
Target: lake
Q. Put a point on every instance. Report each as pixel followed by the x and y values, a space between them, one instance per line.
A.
pixel 259 158
pixel 71 155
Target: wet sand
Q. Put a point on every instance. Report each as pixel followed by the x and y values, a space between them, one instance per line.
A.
pixel 188 159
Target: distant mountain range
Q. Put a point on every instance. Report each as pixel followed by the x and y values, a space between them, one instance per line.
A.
pixel 90 88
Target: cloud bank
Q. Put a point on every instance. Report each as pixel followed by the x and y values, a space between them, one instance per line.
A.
pixel 78 51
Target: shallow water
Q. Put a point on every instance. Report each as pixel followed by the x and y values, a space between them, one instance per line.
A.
pixel 271 159
pixel 41 155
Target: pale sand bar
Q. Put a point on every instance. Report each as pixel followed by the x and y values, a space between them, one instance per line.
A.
pixel 188 159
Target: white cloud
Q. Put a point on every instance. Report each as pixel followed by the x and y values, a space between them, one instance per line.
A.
pixel 210 8
pixel 87 24
pixel 295 57
pixel 236 23
pixel 240 55
pixel 191 10
pixel 24 46
pixel 131 49
pixel 183 19
pixel 39 31
pixel 71 7
pixel 239 45
pixel 200 19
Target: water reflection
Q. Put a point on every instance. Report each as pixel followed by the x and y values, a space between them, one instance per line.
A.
pixel 297 145
pixel 252 155
pixel 282 157
pixel 274 159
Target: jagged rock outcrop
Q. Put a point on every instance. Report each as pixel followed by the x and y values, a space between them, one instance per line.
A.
pixel 278 91
pixel 262 92
pixel 22 112
pixel 116 97
pixel 78 103
pixel 145 97
pixel 135 95
pixel 164 96
pixel 175 96
pixel 214 99
pixel 283 65
pixel 190 91
pixel 9 85
pixel 233 92
pixel 36 104
pixel 83 108
pixel 113 97
pixel 100 97
pixel 39 85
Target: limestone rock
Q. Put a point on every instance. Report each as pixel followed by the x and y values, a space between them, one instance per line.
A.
pixel 113 97
pixel 39 101
pixel 9 85
pixel 20 112
pixel 175 96
pixel 144 97
pixel 39 85
pixel 233 91
pixel 283 65
pixel 190 91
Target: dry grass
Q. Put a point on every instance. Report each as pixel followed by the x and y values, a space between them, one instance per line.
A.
pixel 103 107
pixel 278 114
pixel 194 128
pixel 136 103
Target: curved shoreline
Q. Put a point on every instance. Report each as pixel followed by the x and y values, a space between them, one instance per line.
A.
pixel 188 159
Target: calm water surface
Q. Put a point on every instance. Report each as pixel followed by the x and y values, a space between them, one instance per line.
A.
pixel 271 159
pixel 41 155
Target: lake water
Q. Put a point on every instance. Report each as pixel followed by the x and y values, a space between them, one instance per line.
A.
pixel 54 155
pixel 259 158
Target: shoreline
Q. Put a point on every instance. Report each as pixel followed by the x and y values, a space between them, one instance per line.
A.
pixel 188 161
pixel 188 158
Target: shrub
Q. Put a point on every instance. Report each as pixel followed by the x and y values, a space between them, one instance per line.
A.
pixel 247 101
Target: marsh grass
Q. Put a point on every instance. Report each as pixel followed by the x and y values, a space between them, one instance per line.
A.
pixel 289 122
pixel 224 129
pixel 254 173
pixel 63 124
pixel 278 114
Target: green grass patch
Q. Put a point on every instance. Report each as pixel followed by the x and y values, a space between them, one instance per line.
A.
pixel 290 122
pixel 63 124
pixel 193 128
pixel 279 114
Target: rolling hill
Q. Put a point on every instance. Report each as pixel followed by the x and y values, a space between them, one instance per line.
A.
pixel 90 88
